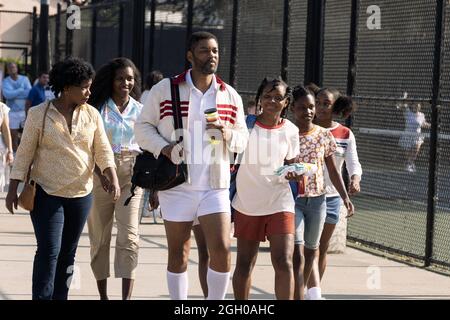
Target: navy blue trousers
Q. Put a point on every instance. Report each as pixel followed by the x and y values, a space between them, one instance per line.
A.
pixel 58 223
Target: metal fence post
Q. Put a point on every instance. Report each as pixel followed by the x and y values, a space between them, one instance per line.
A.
pixel 69 38
pixel 43 37
pixel 57 55
pixel 233 48
pixel 94 36
pixel 285 45
pixel 189 22
pixel 25 51
pixel 151 45
pixel 34 52
pixel 138 33
pixel 314 42
pixel 351 75
pixel 435 106
pixel 120 40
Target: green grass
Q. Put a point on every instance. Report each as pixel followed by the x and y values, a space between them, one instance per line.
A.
pixel 399 224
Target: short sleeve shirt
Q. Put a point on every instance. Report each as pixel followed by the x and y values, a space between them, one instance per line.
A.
pixel 37 95
pixel 259 190
pixel 315 146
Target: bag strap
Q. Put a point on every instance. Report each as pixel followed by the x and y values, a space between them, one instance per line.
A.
pixel 176 109
pixel 41 133
pixel 177 122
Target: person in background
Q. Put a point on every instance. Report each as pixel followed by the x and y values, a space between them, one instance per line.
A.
pixel 251 108
pixel 6 151
pixel 152 78
pixel 38 92
pixel 412 138
pixel 314 88
pixel 15 89
pixel 115 93
pixel 72 143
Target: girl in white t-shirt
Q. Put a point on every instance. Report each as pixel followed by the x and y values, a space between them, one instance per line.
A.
pixel 263 204
pixel 6 153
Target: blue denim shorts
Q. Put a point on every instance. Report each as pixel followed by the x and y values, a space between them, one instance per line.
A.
pixel 333 209
pixel 310 214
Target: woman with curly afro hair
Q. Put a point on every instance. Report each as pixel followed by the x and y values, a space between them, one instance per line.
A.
pixel 63 140
pixel 115 93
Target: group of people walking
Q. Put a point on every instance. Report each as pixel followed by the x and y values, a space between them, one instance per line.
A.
pixel 82 147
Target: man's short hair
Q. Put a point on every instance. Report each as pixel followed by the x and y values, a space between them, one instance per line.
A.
pixel 198 36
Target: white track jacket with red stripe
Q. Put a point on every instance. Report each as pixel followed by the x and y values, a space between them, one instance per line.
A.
pixel 154 128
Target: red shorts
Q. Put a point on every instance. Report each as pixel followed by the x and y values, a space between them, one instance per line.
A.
pixel 257 228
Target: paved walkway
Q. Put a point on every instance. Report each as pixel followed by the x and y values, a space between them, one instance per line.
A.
pixel 352 275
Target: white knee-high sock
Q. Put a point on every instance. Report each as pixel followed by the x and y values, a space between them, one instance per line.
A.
pixel 315 293
pixel 178 285
pixel 217 284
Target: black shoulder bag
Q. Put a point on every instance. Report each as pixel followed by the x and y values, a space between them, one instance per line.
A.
pixel 161 173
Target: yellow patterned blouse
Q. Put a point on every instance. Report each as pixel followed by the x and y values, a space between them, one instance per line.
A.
pixel 64 162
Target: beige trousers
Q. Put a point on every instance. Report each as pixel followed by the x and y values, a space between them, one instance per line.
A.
pixel 100 224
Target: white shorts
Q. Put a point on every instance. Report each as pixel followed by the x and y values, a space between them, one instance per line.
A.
pixel 16 119
pixel 410 141
pixel 182 204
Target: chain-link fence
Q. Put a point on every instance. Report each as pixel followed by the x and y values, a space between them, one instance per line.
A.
pixel 374 50
pixel 260 35
pixel 441 237
pixel 388 65
pixel 336 44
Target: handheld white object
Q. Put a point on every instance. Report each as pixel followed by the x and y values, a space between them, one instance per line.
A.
pixel 307 169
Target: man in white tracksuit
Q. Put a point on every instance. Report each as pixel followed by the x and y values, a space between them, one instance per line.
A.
pixel 205 194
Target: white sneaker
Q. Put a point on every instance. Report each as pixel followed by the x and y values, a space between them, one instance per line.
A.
pixel 306 293
pixel 146 213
